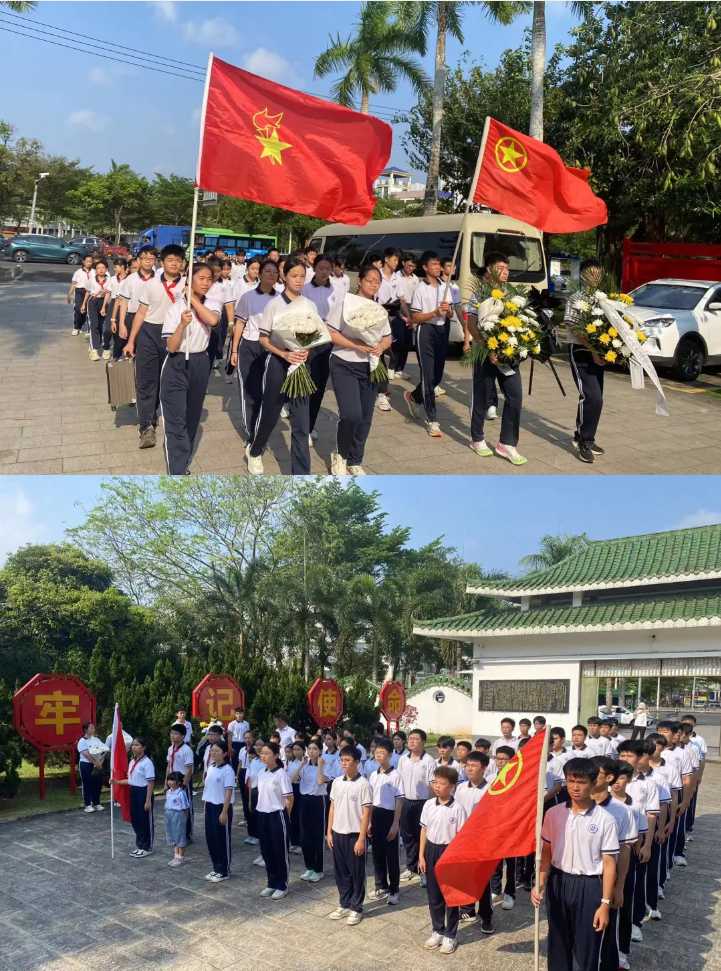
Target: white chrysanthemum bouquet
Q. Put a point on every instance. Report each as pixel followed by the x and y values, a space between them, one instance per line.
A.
pixel 299 329
pixel 367 322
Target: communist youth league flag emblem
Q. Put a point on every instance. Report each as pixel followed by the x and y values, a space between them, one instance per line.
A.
pixel 507 776
pixel 266 126
pixel 511 156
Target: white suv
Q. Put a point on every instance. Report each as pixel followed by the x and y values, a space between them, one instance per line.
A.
pixel 683 321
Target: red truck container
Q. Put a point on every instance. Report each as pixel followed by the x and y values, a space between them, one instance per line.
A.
pixel 651 261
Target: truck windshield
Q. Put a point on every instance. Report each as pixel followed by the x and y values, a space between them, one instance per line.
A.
pixel 525 255
pixel 663 296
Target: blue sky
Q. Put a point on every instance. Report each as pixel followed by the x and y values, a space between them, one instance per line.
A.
pixel 478 516
pixel 87 107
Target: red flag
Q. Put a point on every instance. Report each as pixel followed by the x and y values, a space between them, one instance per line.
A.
pixel 276 146
pixel 502 825
pixel 119 766
pixel 528 180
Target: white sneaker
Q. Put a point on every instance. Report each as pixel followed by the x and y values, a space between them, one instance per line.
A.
pixel 209 875
pixel 176 861
pixel 481 448
pixel 339 913
pixel 491 412
pixel 315 877
pixel 93 355
pixel 338 464
pixel 508 902
pixel 636 934
pixel 307 875
pixel 391 374
pixel 661 894
pixel 408 875
pixel 393 899
pixel 285 412
pixel 449 945
pixel 378 894
pixel 259 861
pixel 89 809
pixel 439 392
pixel 106 355
pixel 99 808
pixel 434 941
pixel 401 376
pixel 356 470
pixel 278 894
pixel 654 915
pixel 139 854
pixel 219 878
pixel 354 918
pixel 268 892
pixel 249 841
pixel 511 453
pixel 75 332
pixel 623 961
pixel 382 403
pixel 255 463
pixel 434 429
pixel 680 861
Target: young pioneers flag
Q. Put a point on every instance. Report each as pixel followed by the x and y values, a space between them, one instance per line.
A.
pixel 276 146
pixel 502 825
pixel 119 766
pixel 528 180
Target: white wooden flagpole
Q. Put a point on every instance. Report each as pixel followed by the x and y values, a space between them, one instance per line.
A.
pixel 541 790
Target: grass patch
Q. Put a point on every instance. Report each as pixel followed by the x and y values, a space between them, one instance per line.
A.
pixel 27 802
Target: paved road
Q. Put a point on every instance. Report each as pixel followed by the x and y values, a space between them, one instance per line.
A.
pixel 66 907
pixel 54 415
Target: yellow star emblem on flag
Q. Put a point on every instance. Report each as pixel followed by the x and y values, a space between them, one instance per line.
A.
pixel 266 126
pixel 511 156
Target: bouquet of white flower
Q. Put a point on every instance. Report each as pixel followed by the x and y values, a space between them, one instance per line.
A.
pixel 299 330
pixel 367 322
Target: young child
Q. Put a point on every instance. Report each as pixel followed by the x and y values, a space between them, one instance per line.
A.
pixel 416 769
pixel 141 780
pixel 180 759
pixel 468 794
pixel 578 907
pixel 77 292
pixel 351 800
pixel 95 307
pixel 442 817
pixel 275 804
pixel 177 810
pixel 313 808
pixel 387 794
pixel 218 796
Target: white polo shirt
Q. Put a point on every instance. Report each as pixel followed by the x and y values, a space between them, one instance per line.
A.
pixel 340 284
pixel 694 755
pixel 83 746
pixel 386 787
pixel 249 308
pixel 141 772
pixel 157 299
pixel 253 770
pixel 98 289
pixel 337 321
pixel 275 308
pixel 237 270
pixel 322 297
pixel 416 775
pixel 556 764
pixel 273 789
pixel 600 746
pixel 309 273
pixel 349 798
pixel 700 742
pixel 217 779
pixel 680 758
pixel 177 799
pixel 670 773
pixel 309 785
pixel 625 819
pixel 511 743
pixel 81 278
pixel 197 334
pixel 180 758
pixel 580 753
pixel 395 756
pixel 425 300
pixel 331 765
pixel 469 795
pixel 115 284
pixel 442 821
pixel 287 736
pixel 188 729
pixel 237 730
pixel 130 289
pixel 406 286
pixel 242 285
pixel 644 794
pixel 579 840
pixel 388 291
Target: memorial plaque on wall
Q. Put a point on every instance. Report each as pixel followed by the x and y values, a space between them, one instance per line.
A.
pixel 505 696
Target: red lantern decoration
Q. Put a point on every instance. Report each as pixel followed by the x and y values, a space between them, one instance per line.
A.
pixel 216 697
pixel 392 701
pixel 325 702
pixel 49 712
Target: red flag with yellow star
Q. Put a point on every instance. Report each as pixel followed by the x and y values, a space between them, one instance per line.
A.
pixel 528 180
pixel 502 825
pixel 272 145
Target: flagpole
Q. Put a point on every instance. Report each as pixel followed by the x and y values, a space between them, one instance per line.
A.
pixel 541 789
pixel 112 795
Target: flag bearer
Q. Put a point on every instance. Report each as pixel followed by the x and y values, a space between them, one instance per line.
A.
pixel 141 780
pixel 218 795
pixel 351 801
pixel 180 759
pixel 416 768
pixel 469 794
pixel 578 872
pixel 503 887
pixel 387 790
pixel 77 291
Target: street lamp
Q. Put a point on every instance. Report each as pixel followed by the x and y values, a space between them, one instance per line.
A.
pixel 43 175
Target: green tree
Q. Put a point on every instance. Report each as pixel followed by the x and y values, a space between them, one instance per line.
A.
pixel 553 549
pixel 374 59
pixel 19 6
pixel 171 200
pixel 106 201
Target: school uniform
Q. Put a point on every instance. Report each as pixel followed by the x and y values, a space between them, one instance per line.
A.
pixel 331 767
pixel 416 777
pixel 274 374
pixel 340 284
pixel 140 773
pixel 574 889
pixel 625 914
pixel 309 273
pixel 402 334
pixel 644 795
pixel 251 355
pixel 395 756
pixel 81 282
pixel 600 746
pixel 242 285
pixel 177 809
pixel 670 775
pixel 313 811
pixel 92 782
pixel 183 383
pixel 293 770
pixel 159 296
pixel 218 779
pixel 680 762
pixel 653 868
pixel 180 759
pixel 237 271
pixel 110 338
pixel 587 375
pixel 509 742
pixel 386 790
pixel 627 830
pixel 441 822
pixel 349 797
pixel 431 345
pixel 221 292
pixel 354 391
pixel 319 366
pixel 699 743
pixel 236 733
pixel 129 291
pixel 98 290
pixel 273 824
pixel 484 395
pixel 253 768
pixel 468 796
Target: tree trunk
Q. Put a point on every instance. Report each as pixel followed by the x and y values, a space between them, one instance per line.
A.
pixel 430 200
pixel 374 674
pixel 622 692
pixel 538 68
pixel 609 691
pixel 364 103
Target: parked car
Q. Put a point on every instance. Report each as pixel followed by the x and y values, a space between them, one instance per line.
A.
pixel 34 247
pixel 621 714
pixel 93 244
pixel 683 321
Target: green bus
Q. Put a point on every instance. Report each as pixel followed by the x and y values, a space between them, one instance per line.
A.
pixel 207 238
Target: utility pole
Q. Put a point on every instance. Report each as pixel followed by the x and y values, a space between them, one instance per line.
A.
pixel 43 175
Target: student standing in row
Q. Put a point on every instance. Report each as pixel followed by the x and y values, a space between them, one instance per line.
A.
pixel 320 293
pixel 218 796
pixel 129 291
pixel 249 279
pixel 313 811
pixel 180 759
pixel 110 335
pixel 351 800
pixel 399 747
pixel 387 793
pixel 91 770
pixel 77 291
pixel 141 781
pixel 468 794
pixel 235 733
pixel 95 308
pixel 177 810
pixel 503 885
pixel 275 804
pixel 247 355
pixel 253 769
pixel 157 297
pixel 416 769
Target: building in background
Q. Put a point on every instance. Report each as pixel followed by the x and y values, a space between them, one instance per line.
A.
pixel 395 183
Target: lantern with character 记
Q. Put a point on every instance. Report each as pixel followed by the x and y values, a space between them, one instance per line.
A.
pixel 216 697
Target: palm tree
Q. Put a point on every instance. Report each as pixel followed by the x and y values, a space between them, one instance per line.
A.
pixel 374 59
pixel 19 6
pixel 553 549
pixel 446 15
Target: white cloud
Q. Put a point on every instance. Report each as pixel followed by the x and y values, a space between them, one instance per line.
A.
pixel 214 32
pixel 269 65
pixel 88 120
pixel 21 523
pixel 166 10
pixel 700 517
pixel 99 76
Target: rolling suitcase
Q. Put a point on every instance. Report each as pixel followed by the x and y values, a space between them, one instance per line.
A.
pixel 121 382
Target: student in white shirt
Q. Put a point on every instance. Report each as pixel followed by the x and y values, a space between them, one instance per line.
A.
pixel 320 292
pixel 213 735
pixel 451 292
pixel 399 747
pixel 247 355
pixel 254 767
pixel 313 796
pixel 351 801
pixel 406 283
pixel 295 756
pixel 239 265
pixel 180 759
pixel 275 804
pixel 77 292
pixel 340 281
pixel 430 317
pixel 310 256
pixel 597 743
pixel 177 810
pixel 235 733
pixel 186 368
pixel 579 749
pixel 416 769
pixel 355 391
pixel 90 766
pixel 180 719
pixel 120 274
pixel 250 278
pixel 145 342
pixel 507 737
pixel 468 794
pixel 95 306
pixel 218 796
pixel 387 790
pixel 127 303
pixel 141 780
pixel 503 890
pixel 330 759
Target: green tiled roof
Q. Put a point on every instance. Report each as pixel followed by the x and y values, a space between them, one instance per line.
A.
pixel 626 562
pixel 700 610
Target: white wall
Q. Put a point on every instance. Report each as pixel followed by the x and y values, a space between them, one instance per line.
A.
pixel 451 717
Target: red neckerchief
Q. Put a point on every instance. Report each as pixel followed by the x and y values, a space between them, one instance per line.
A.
pixel 102 283
pixel 171 757
pixel 169 287
pixel 133 763
pixel 145 278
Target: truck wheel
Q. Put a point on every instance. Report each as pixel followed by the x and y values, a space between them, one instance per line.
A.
pixel 689 360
